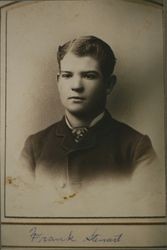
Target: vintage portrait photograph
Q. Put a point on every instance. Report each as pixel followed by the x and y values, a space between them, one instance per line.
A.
pixel 83 109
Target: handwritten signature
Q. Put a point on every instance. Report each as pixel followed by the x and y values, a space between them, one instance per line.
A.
pixel 95 236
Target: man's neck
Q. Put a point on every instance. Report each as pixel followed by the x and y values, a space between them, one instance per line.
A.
pixel 79 121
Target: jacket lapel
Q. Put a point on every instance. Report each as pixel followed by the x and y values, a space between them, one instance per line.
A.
pixel 67 142
pixel 60 143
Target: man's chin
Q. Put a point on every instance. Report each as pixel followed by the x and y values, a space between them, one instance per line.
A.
pixel 83 113
pixel 78 112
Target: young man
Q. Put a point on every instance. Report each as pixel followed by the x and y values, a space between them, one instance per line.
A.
pixel 87 144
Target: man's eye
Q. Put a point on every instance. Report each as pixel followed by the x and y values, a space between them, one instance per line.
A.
pixel 66 75
pixel 90 76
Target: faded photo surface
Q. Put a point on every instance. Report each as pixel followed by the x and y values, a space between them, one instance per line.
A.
pixel 83 109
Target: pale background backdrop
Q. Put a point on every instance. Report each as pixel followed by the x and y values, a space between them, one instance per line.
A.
pixel 34 31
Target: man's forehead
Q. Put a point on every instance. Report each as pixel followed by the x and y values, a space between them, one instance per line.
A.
pixel 74 62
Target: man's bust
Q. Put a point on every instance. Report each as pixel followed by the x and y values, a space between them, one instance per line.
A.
pixel 87 144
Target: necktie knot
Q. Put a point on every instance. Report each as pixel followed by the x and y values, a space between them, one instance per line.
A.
pixel 79 133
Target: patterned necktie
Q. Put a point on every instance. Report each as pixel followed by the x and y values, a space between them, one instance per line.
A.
pixel 79 133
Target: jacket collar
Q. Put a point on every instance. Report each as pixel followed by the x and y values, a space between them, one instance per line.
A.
pixel 89 141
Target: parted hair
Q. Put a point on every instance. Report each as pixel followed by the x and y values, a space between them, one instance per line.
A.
pixel 90 46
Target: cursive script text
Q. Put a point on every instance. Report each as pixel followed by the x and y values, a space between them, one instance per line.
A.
pixel 38 237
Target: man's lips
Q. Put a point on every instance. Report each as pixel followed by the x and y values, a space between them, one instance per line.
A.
pixel 76 98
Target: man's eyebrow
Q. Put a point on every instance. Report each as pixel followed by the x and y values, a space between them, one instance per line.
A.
pixel 65 71
pixel 91 71
pixel 82 72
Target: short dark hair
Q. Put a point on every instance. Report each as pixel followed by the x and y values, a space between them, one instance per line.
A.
pixel 90 46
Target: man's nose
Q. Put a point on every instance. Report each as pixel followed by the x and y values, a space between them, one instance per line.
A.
pixel 77 84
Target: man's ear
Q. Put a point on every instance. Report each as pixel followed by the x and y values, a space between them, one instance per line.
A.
pixel 58 76
pixel 111 81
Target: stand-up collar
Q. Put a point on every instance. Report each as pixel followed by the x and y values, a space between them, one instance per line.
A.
pixel 93 122
pixel 103 127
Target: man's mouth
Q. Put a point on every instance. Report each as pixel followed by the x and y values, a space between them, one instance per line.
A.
pixel 76 98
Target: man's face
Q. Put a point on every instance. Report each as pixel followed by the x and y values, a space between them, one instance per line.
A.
pixel 81 86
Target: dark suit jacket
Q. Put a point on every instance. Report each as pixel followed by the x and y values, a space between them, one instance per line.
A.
pixel 111 149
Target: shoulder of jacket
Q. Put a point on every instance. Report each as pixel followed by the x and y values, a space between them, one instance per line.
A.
pixel 42 134
pixel 138 145
pixel 123 128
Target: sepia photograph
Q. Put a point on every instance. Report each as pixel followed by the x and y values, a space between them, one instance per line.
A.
pixel 84 121
pixel 82 111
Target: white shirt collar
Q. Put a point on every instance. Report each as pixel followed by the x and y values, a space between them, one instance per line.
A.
pixel 93 122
